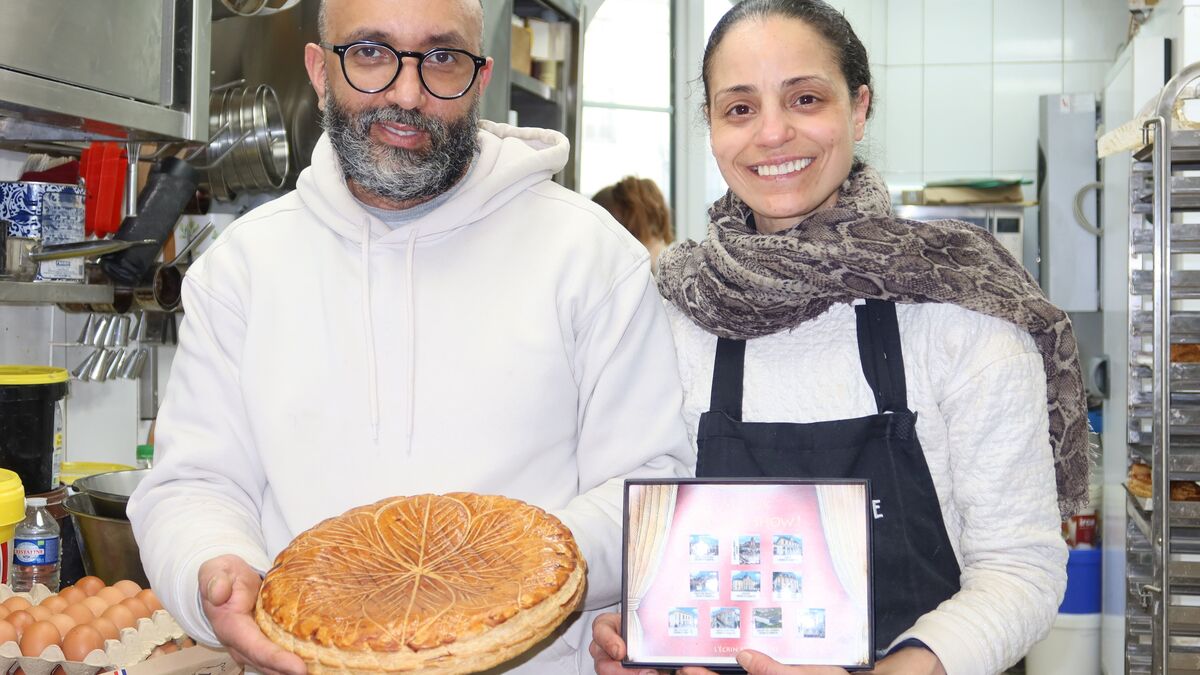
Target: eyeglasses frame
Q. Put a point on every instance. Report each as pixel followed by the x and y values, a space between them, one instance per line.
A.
pixel 340 50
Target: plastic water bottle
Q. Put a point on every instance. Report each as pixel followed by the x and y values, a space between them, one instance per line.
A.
pixel 35 548
pixel 145 456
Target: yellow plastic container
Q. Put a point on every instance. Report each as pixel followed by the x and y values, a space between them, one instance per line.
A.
pixel 73 471
pixel 12 511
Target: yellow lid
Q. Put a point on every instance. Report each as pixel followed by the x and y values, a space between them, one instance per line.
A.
pixel 12 498
pixel 72 471
pixel 32 375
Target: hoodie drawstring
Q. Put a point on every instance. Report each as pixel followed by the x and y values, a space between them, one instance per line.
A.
pixel 369 328
pixel 412 336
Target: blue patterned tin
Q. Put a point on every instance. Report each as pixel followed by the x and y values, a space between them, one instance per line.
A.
pixel 21 205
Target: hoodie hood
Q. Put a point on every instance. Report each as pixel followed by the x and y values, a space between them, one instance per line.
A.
pixel 510 160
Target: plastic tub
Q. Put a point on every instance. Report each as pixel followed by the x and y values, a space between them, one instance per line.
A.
pixel 73 471
pixel 31 431
pixel 1083 582
pixel 1071 648
pixel 12 511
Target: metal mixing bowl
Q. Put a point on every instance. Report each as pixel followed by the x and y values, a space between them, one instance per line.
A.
pixel 107 545
pixel 109 492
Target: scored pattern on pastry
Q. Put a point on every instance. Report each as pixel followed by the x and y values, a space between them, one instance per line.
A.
pixel 412 574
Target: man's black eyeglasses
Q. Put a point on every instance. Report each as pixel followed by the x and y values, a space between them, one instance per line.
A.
pixel 371 67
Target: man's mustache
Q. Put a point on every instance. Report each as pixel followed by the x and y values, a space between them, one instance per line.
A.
pixel 397 115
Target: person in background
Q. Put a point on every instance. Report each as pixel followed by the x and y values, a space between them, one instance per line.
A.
pixel 426 313
pixel 820 336
pixel 638 204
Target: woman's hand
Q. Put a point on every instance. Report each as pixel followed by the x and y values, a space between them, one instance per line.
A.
pixel 908 661
pixel 757 663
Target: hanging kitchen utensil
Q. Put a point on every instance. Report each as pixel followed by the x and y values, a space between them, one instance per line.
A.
pixel 83 371
pixel 85 333
pixel 99 330
pixel 168 189
pixel 99 369
pixel 85 249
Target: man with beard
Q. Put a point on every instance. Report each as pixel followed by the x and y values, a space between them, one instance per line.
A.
pixel 426 313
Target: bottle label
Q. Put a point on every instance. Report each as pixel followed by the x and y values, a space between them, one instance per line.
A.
pixel 57 459
pixel 40 551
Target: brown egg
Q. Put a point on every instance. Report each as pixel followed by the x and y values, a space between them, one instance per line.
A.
pixel 37 637
pixel 149 599
pixel 128 587
pixel 15 603
pixel 7 632
pixel 81 613
pixel 186 642
pixel 110 595
pixel 107 628
pixel 169 647
pixel 80 641
pixel 72 594
pixel 39 612
pixel 63 623
pixel 90 585
pixel 4 611
pixel 137 607
pixel 97 605
pixel 55 604
pixel 120 616
pixel 19 620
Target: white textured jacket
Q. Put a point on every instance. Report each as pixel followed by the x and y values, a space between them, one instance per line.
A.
pixel 979 391
pixel 508 342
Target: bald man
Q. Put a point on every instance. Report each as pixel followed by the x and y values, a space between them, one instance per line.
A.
pixel 426 313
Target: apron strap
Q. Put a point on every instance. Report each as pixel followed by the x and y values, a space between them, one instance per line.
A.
pixel 879 351
pixel 728 370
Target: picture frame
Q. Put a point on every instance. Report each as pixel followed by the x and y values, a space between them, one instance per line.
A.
pixel 714 566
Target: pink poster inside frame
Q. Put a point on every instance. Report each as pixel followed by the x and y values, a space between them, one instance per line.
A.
pixel 715 567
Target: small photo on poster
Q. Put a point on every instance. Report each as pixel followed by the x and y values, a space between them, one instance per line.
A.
pixel 745 585
pixel 785 586
pixel 787 548
pixel 704 585
pixel 812 623
pixel 768 621
pixel 747 550
pixel 726 622
pixel 703 548
pixel 683 622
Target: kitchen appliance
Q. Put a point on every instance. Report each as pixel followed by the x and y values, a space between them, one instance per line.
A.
pixel 1005 221
pixel 58 82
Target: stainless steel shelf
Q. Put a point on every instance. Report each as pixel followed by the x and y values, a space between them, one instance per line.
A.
pixel 1185 149
pixel 536 87
pixel 1185 284
pixel 54 292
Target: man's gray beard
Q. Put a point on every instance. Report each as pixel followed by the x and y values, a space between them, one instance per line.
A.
pixel 399 174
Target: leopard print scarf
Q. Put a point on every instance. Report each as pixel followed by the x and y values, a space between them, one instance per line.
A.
pixel 740 284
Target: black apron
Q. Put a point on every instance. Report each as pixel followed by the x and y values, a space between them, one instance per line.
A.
pixel 914 567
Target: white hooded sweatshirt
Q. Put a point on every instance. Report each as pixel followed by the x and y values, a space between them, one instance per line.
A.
pixel 510 341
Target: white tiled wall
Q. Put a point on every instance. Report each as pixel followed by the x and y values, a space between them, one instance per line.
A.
pixel 958 80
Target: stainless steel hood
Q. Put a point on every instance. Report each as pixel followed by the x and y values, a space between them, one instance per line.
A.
pixel 117 70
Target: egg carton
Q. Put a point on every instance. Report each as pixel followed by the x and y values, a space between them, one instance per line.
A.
pixel 133 645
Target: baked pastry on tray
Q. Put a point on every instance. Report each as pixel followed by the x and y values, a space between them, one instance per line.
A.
pixel 443 584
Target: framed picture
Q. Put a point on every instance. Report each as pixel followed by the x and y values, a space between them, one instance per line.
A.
pixel 712 567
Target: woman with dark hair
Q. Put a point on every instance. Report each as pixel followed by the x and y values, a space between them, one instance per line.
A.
pixel 639 205
pixel 820 336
